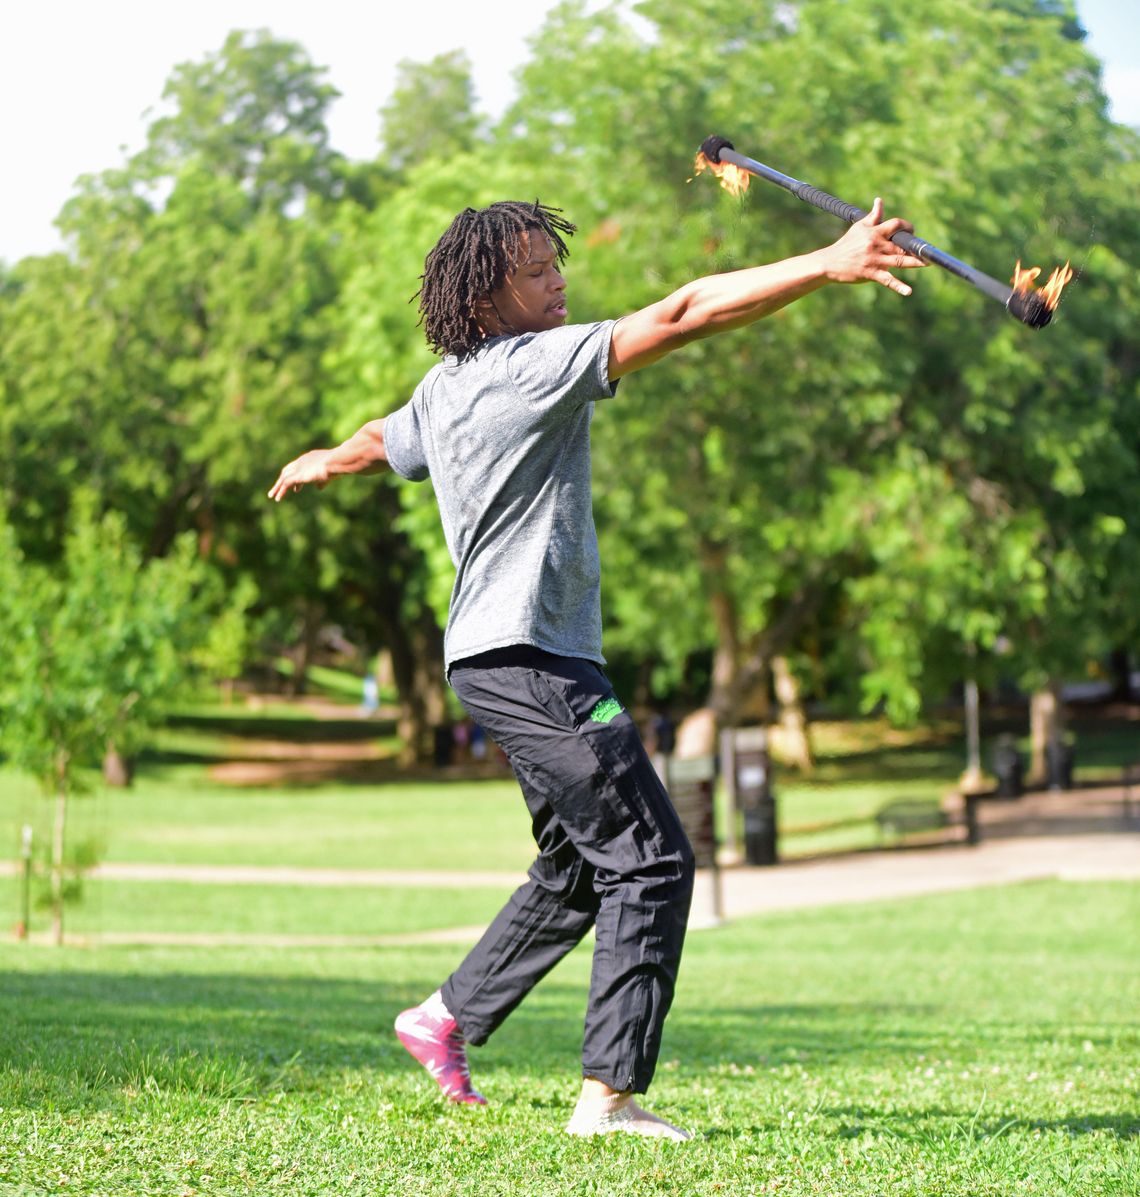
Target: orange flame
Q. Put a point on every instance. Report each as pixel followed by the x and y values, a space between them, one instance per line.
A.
pixel 1023 281
pixel 732 178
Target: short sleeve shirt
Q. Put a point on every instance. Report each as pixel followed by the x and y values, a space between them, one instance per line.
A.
pixel 505 438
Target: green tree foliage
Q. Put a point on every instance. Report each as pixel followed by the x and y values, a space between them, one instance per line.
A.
pixel 93 650
pixel 431 113
pixel 173 357
pixel 254 112
pixel 929 472
pixel 884 485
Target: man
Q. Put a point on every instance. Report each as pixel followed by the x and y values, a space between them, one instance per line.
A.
pixel 501 426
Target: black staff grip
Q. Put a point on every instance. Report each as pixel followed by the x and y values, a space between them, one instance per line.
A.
pixel 848 212
pixel 912 244
pixel 821 199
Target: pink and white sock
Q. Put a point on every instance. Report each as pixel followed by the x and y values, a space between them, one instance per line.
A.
pixel 432 1036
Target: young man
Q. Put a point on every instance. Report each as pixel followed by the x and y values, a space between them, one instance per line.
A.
pixel 501 426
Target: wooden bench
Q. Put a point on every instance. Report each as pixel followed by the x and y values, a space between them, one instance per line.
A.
pixel 910 815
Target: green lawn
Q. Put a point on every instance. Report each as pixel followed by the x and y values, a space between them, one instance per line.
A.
pixel 970 1045
pixel 180 816
pixel 118 907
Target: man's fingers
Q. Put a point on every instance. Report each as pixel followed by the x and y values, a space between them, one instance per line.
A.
pixel 892 284
pixel 903 261
pixel 875 215
pixel 896 224
pixel 284 485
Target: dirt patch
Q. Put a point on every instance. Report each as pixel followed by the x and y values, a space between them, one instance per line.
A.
pixel 349 769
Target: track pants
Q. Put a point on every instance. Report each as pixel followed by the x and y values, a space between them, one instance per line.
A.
pixel 611 854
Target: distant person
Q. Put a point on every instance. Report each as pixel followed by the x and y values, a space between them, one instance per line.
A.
pixel 478 743
pixel 502 428
pixel 370 698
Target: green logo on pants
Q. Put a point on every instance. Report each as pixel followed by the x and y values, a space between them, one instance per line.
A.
pixel 607 709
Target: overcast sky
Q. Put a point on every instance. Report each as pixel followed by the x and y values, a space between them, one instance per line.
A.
pixel 77 78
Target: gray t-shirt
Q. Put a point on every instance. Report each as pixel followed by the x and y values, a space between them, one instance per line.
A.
pixel 505 439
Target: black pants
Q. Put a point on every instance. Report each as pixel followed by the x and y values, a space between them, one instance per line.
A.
pixel 611 854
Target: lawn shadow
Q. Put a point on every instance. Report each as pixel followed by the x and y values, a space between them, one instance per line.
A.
pixel 915 1125
pixel 83 1037
pixel 81 1031
pixel 88 1030
pixel 810 1034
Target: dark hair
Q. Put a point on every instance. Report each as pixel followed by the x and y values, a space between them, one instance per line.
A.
pixel 476 254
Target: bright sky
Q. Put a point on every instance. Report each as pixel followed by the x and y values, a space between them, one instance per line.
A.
pixel 77 78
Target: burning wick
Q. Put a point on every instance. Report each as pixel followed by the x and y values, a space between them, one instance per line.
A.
pixel 1035 305
pixel 732 178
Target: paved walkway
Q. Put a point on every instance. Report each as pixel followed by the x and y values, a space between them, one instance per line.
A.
pixel 873 876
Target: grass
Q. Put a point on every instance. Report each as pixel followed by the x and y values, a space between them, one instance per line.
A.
pixel 179 816
pixel 979 1044
pixel 285 910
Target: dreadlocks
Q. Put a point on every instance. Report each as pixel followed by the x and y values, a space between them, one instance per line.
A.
pixel 476 254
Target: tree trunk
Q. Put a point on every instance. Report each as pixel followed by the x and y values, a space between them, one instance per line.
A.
pixel 57 843
pixel 755 703
pixel 1046 725
pixel 698 732
pixel 795 742
pixel 118 770
pixel 312 615
pixel 742 672
pixel 416 649
pixel 723 695
pixel 1121 667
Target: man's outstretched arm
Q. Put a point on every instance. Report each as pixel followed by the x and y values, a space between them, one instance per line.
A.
pixel 721 302
pixel 362 453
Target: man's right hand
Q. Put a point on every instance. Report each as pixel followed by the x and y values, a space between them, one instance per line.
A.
pixel 866 253
pixel 309 468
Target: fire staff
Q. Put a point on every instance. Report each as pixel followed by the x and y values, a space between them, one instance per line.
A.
pixel 501 426
pixel 1031 305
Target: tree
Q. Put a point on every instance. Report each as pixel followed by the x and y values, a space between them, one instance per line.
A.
pixel 255 113
pixel 431 113
pixel 93 651
pixel 170 359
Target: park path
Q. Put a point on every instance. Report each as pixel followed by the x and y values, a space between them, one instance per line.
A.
pixel 744 891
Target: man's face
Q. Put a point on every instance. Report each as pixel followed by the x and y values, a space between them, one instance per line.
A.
pixel 533 297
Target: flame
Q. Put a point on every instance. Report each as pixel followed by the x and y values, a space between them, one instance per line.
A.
pixel 1050 293
pixel 1024 279
pixel 732 178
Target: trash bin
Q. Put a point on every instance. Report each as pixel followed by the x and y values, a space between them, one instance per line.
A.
pixel 1059 765
pixel 755 797
pixel 1009 769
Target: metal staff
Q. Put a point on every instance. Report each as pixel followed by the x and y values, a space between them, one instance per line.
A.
pixel 1032 307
